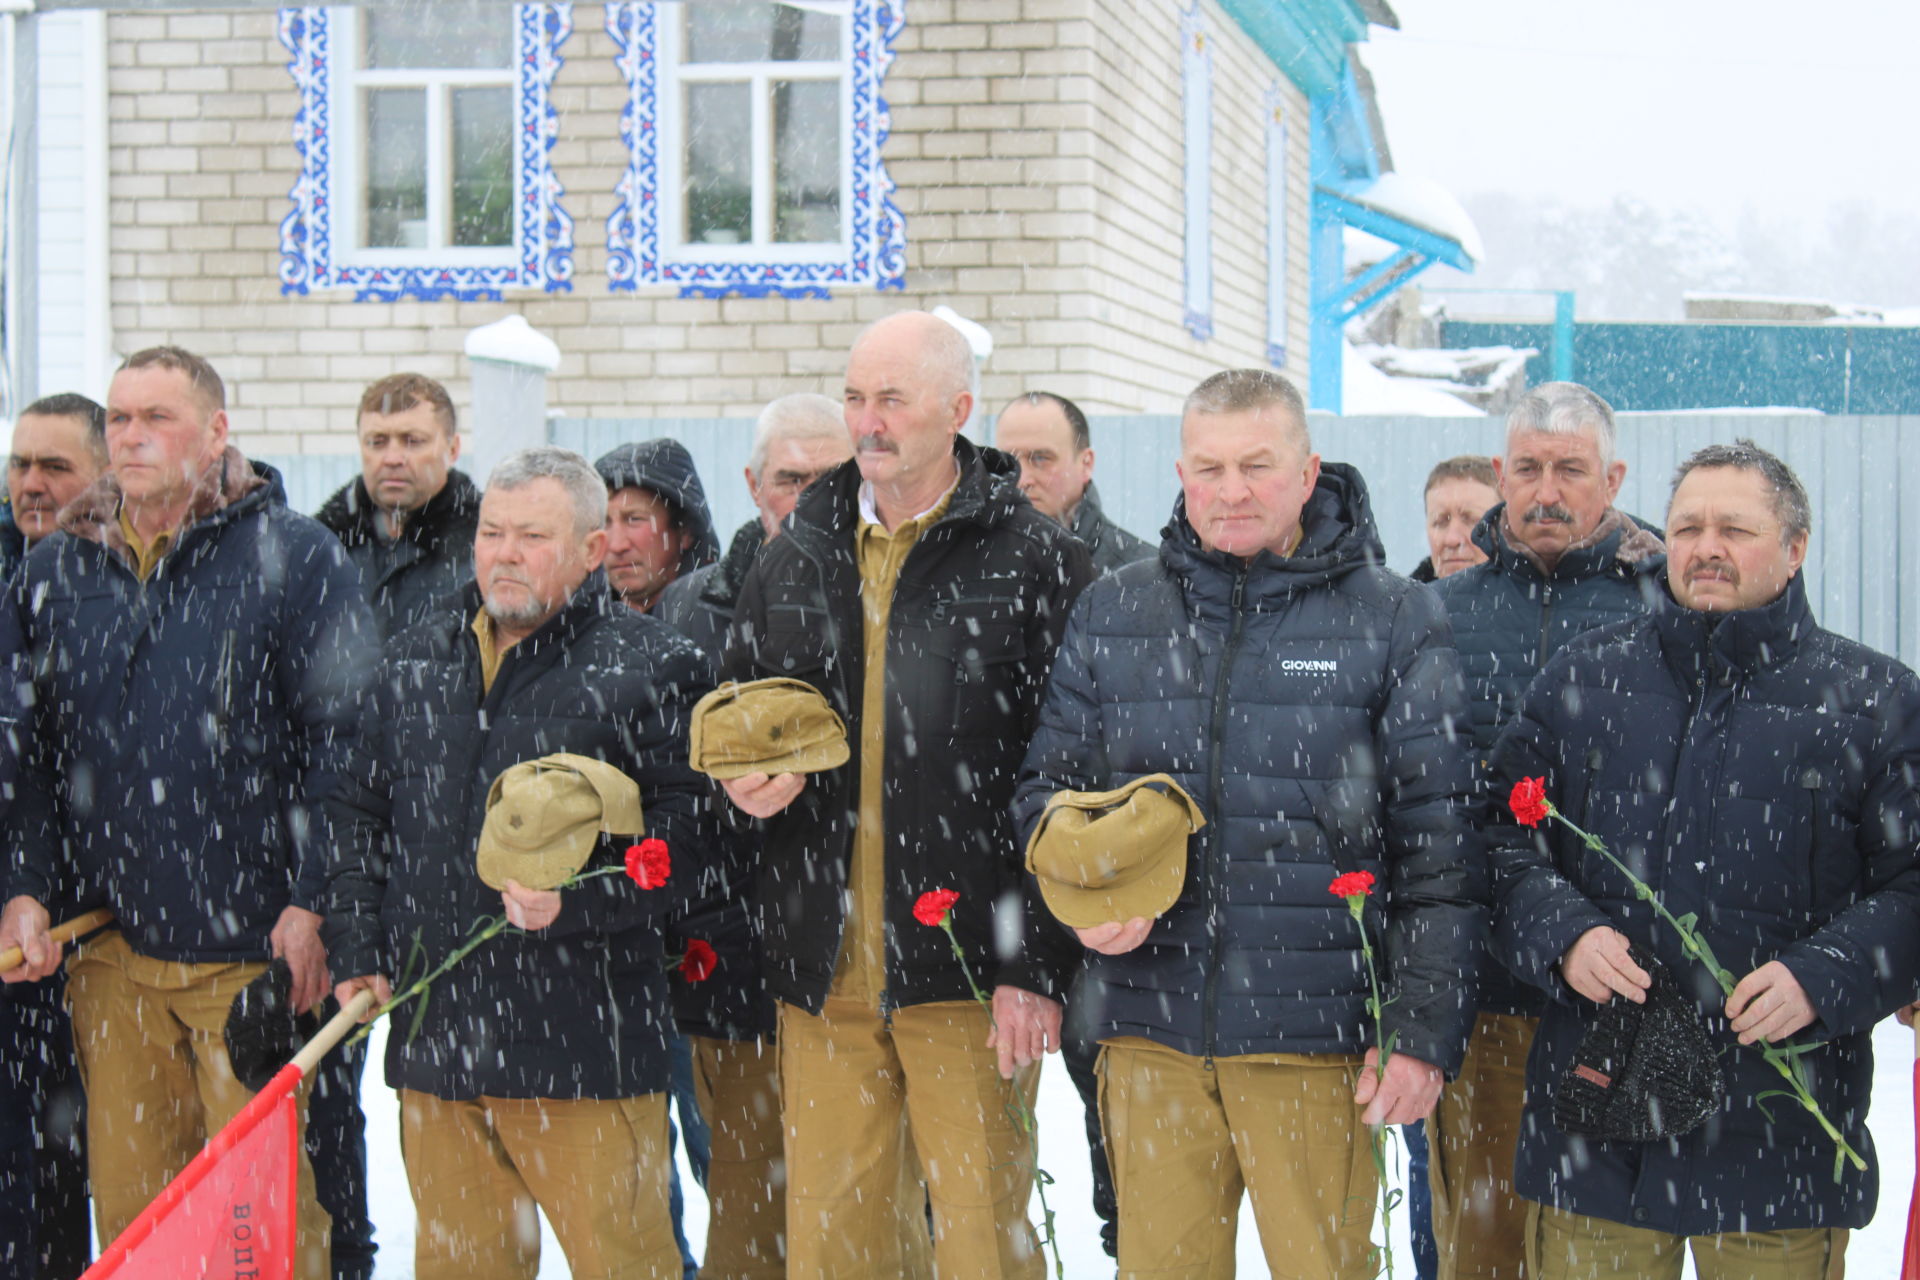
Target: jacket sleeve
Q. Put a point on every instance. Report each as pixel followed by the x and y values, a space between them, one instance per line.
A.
pixel 1865 962
pixel 1066 752
pixel 359 828
pixel 327 643
pixel 1538 913
pixel 26 783
pixel 1436 904
pixel 1048 954
pixel 676 803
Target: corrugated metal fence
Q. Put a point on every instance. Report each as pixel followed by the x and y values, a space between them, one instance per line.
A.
pixel 1856 470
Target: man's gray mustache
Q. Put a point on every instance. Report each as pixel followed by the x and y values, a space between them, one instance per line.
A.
pixel 1538 514
pixel 876 444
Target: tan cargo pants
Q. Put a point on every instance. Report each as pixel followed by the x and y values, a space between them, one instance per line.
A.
pixel 1186 1139
pixel 1479 1221
pixel 158 1082
pixel 1570 1246
pixel 598 1169
pixel 737 1084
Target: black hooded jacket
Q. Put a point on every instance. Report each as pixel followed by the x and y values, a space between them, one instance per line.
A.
pixel 428 564
pixel 663 467
pixel 979 607
pixel 1309 704
pixel 1110 546
pixel 1757 772
pixel 700 604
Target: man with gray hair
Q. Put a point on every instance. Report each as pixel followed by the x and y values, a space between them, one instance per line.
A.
pixel 1756 771
pixel 922 597
pixel 1561 560
pixel 537 1073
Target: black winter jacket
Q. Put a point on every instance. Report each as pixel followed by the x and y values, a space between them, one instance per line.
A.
pixel 1759 772
pixel 1309 704
pixel 430 562
pixel 185 730
pixel 977 612
pixel 699 605
pixel 578 1010
pixel 1110 546
pixel 1507 621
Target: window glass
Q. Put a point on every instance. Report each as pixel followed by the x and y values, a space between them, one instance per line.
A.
pixel 759 31
pixel 719 184
pixel 807 141
pixel 483 166
pixel 449 33
pixel 396 190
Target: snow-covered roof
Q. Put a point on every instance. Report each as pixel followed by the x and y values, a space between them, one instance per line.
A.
pixel 1425 204
pixel 1364 390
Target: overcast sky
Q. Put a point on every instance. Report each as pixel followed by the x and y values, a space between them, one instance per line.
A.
pixel 1791 105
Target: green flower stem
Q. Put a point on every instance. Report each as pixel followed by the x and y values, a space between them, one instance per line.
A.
pixel 1784 1061
pixel 1017 1108
pixel 1357 907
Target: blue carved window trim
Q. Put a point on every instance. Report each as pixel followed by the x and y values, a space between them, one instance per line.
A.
pixel 635 254
pixel 1277 184
pixel 1196 101
pixel 542 253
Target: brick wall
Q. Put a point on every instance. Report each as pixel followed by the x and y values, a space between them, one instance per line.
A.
pixel 1036 148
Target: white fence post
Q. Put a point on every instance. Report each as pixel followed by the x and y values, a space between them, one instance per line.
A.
pixel 511 361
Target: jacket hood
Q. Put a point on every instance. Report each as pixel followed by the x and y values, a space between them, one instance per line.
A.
pixel 350 512
pixel 1337 537
pixel 663 467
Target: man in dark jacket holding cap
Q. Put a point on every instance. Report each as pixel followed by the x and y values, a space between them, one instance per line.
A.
pixel 538 1070
pixel 1306 698
pixel 658 526
pixel 923 597
pixel 1757 772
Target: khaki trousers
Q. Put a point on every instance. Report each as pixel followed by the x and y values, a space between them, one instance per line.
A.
pixel 1479 1222
pixel 1186 1138
pixel 737 1084
pixel 1570 1246
pixel 158 1082
pixel 847 1077
pixel 598 1169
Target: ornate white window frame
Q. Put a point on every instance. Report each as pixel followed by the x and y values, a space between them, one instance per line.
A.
pixel 1196 99
pixel 314 253
pixel 874 253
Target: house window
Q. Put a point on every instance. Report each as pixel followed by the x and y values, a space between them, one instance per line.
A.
pixel 425 136
pixel 754 130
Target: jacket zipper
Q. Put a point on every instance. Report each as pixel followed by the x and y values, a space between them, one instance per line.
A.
pixel 1546 621
pixel 1215 907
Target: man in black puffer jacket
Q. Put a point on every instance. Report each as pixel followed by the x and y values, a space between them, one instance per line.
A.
pixel 1758 773
pixel 539 1066
pixel 1561 560
pixel 923 597
pixel 407 522
pixel 1306 699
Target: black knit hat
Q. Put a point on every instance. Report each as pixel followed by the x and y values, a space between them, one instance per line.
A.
pixel 1643 1071
pixel 263 1032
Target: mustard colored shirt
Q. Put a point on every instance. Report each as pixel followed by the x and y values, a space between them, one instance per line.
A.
pixel 490 655
pixel 860 973
pixel 146 555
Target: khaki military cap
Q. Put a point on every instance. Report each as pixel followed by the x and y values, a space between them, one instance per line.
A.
pixel 765 726
pixel 1106 856
pixel 544 817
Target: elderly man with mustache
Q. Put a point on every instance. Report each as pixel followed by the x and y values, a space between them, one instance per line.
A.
pixel 1561 560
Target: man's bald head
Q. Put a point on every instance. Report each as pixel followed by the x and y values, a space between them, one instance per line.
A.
pixel 946 359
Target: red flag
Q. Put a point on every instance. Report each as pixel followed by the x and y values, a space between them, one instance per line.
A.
pixel 230 1213
pixel 1910 1268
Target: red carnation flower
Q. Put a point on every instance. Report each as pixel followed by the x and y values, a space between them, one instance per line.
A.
pixel 932 908
pixel 1354 884
pixel 699 962
pixel 648 864
pixel 1529 800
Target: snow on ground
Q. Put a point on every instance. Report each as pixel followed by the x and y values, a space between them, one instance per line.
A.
pixel 1875 1251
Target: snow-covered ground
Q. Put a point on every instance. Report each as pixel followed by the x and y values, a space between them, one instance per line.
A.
pixel 1874 1251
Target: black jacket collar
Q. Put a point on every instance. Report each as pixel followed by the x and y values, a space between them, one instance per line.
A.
pixel 350 513
pixel 1745 641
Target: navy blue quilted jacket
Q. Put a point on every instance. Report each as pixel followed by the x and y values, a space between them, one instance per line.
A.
pixel 1310 705
pixel 1759 772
